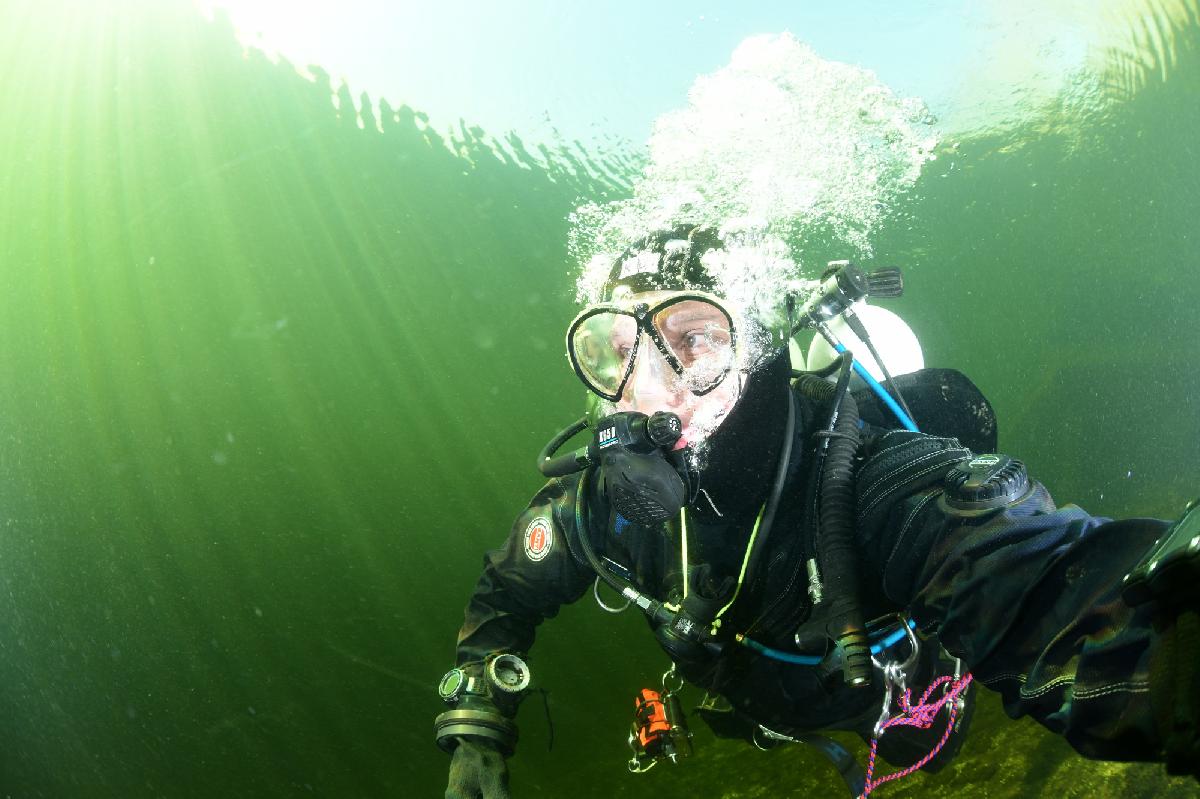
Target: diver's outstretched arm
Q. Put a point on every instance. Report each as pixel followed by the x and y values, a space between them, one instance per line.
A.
pixel 523 583
pixel 1029 596
pixel 526 580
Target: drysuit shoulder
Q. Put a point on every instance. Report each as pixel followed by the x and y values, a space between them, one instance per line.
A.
pixel 944 403
pixel 899 465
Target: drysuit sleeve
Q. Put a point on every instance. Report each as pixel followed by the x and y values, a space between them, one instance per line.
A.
pixel 526 580
pixel 1028 595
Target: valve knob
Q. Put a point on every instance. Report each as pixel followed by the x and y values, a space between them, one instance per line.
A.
pixel 663 429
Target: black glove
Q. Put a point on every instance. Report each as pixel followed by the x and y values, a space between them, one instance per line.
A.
pixel 477 771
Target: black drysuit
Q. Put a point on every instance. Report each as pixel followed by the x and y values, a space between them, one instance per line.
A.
pixel 1028 595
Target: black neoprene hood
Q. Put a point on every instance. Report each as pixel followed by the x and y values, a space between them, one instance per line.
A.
pixel 668 260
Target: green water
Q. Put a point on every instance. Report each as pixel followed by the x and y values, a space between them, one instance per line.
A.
pixel 272 378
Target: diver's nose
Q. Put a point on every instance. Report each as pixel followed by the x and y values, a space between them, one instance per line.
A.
pixel 652 385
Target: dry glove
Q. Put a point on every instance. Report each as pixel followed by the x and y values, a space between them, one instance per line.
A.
pixel 477 771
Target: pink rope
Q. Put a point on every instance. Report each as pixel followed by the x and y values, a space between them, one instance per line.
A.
pixel 921 715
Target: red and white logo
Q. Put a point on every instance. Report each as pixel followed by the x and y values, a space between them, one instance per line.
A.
pixel 539 539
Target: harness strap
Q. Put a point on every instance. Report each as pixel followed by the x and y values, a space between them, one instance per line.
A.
pixel 847 767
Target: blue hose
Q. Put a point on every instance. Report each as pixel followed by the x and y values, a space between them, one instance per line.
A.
pixel 880 391
pixel 880 644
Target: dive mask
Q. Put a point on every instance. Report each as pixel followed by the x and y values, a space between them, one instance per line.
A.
pixel 692 331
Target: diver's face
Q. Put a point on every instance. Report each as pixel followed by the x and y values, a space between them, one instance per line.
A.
pixel 698 335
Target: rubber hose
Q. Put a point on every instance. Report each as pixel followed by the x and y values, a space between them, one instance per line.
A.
pixel 838 559
pixel 839 556
pixel 563 464
pixel 656 611
pixel 759 547
pixel 583 530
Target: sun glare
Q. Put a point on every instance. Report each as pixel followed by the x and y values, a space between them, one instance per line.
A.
pixel 276 27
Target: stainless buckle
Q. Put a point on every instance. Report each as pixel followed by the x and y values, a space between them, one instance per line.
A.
pixel 895 674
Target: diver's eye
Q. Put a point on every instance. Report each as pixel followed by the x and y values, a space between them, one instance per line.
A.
pixel 696 341
pixel 704 341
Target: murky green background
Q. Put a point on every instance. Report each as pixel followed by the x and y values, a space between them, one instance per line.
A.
pixel 271 380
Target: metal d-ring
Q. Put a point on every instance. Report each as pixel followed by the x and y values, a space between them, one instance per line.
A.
pixel 669 673
pixel 914 648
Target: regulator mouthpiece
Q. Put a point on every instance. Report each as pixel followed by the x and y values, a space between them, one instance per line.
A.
pixel 645 480
pixel 629 431
pixel 645 489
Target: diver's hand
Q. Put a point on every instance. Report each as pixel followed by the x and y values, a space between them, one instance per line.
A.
pixel 477 771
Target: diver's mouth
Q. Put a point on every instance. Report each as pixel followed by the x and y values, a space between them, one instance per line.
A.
pixel 697 431
pixel 699 417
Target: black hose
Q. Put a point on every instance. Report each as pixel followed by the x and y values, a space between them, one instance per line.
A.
pixel 839 558
pixel 889 383
pixel 781 470
pixel 819 391
pixel 823 393
pixel 583 530
pixel 839 393
pixel 824 371
pixel 838 561
pixel 563 464
pixel 654 609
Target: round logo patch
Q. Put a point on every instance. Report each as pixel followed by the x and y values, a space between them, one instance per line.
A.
pixel 539 539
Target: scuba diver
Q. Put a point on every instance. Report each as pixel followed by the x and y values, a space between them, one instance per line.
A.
pixel 808 558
